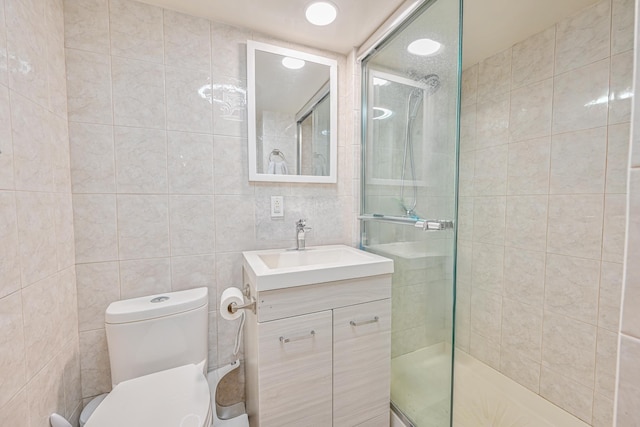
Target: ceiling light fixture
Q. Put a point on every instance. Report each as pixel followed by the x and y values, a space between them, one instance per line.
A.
pixel 424 47
pixel 292 63
pixel 321 13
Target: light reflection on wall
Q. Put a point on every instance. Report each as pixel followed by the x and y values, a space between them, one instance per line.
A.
pixel 231 99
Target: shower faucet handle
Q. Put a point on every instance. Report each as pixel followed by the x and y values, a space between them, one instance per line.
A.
pixel 434 225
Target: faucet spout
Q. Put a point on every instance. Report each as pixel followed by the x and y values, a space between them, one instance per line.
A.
pixel 301 230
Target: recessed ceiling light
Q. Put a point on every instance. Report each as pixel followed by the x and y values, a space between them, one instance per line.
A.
pixel 321 13
pixel 292 63
pixel 424 47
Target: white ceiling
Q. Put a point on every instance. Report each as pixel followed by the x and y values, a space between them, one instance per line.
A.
pixel 284 19
pixel 489 25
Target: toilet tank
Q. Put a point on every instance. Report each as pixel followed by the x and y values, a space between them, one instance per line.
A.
pixel 157 332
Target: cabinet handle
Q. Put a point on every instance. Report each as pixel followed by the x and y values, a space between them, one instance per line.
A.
pixel 302 337
pixel 366 322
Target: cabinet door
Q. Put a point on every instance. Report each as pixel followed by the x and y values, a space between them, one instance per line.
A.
pixel 294 372
pixel 361 362
pixel 383 420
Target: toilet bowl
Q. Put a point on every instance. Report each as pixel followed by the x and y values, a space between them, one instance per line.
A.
pixel 158 356
pixel 176 397
pixel 118 407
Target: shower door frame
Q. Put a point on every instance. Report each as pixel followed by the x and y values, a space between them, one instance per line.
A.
pixel 392 28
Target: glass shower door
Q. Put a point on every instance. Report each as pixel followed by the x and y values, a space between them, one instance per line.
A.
pixel 410 133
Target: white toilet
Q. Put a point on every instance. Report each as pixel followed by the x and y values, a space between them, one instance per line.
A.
pixel 158 349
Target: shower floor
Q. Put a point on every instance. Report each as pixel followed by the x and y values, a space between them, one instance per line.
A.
pixel 420 385
pixel 483 397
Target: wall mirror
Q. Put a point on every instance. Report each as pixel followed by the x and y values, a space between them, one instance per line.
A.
pixel 292 116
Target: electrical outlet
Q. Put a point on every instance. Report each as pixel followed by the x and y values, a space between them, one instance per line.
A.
pixel 277 207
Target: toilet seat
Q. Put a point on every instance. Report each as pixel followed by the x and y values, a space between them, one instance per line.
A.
pixel 176 397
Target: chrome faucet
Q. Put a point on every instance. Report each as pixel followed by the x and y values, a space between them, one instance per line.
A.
pixel 301 229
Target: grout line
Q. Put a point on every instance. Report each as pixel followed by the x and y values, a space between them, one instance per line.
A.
pixel 506 184
pixel 546 256
pixel 112 126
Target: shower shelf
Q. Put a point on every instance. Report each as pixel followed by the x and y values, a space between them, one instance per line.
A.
pixel 425 224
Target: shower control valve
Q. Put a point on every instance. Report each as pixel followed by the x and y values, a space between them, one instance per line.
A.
pixel 434 225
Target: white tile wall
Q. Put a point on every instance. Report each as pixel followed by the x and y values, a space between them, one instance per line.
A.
pixel 580 98
pixel 136 30
pixel 628 392
pixel 89 98
pixel 528 168
pixel 39 367
pixel 583 38
pixel 533 58
pixel 531 111
pixel 162 199
pixel 138 93
pixel 544 151
pixel 628 389
pixel 578 162
pixel 92 165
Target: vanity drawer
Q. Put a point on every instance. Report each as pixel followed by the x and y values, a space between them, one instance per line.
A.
pixel 288 302
pixel 294 375
pixel 361 367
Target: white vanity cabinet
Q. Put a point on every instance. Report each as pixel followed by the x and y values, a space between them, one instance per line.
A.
pixel 294 370
pixel 361 363
pixel 319 355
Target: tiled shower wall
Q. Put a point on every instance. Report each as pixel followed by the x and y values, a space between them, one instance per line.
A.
pixel 161 197
pixel 39 366
pixel 544 151
pixel 629 358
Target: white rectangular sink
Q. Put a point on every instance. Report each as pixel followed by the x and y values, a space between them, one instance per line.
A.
pixel 281 268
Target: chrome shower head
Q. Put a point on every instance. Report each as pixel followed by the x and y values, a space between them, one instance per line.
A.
pixel 430 83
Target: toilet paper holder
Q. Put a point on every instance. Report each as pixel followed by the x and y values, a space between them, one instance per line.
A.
pixel 233 307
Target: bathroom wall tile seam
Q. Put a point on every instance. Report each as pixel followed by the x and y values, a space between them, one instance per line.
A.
pixel 604 196
pixel 502 354
pixel 166 143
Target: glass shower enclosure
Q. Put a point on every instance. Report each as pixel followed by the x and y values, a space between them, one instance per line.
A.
pixel 411 89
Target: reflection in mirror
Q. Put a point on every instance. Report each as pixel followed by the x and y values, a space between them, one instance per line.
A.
pixel 313 137
pixel 292 115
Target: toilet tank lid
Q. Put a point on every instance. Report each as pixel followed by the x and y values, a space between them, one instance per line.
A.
pixel 154 306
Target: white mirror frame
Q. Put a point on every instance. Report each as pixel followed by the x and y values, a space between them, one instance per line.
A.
pixel 252 47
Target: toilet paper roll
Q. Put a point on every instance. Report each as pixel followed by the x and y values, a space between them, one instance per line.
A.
pixel 231 295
